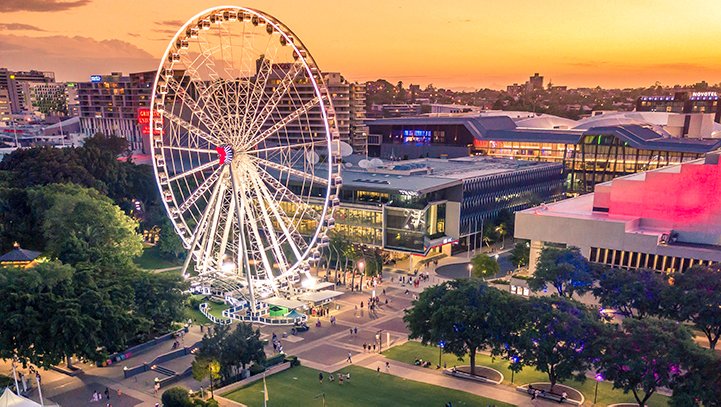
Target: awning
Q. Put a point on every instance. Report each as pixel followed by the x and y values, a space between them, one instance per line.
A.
pixel 322 286
pixel 10 399
pixel 319 297
pixel 283 302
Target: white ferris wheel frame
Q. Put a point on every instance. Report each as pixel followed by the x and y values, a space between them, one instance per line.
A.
pixel 170 201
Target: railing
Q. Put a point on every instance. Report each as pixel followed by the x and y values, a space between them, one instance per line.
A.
pixel 204 310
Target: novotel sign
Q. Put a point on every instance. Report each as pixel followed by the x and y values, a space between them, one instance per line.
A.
pixel 703 94
pixel 96 78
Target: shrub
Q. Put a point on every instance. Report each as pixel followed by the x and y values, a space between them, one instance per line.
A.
pixel 176 397
pixel 274 360
pixel 293 360
pixel 256 368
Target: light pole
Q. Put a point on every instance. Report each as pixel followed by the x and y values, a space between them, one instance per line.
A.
pixel 513 371
pixel 470 270
pixel 441 345
pixel 599 378
pixel 361 266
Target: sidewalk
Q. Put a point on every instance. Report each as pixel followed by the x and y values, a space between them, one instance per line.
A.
pixel 431 376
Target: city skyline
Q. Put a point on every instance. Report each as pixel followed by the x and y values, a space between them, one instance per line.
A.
pixel 467 45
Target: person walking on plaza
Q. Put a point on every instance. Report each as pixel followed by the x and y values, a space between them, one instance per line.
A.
pixel 349 358
pixel 320 377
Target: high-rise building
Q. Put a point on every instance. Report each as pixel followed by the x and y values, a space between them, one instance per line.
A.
pixel 358 128
pixel 109 104
pixel 683 102
pixel 46 98
pixel 72 103
pixel 18 85
pixel 535 82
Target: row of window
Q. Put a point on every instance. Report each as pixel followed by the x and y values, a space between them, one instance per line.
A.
pixel 633 260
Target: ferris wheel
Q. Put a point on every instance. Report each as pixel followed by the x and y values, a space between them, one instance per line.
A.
pixel 245 149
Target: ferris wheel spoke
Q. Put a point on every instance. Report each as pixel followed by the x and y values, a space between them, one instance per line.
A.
pixel 252 223
pixel 195 170
pixel 192 129
pixel 291 171
pixel 194 106
pixel 190 149
pixel 284 147
pixel 202 189
pixel 254 97
pixel 260 186
pixel 262 212
pixel 287 193
pixel 273 100
pixel 282 123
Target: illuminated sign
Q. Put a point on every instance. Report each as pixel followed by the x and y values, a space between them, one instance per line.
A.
pixel 144 121
pixel 703 94
pixel 96 78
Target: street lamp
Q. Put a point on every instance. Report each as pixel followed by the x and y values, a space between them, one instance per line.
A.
pixel 470 269
pixel 515 361
pixel 599 378
pixel 441 345
pixel 361 266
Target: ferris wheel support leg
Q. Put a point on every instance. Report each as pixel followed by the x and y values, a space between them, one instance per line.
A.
pixel 241 229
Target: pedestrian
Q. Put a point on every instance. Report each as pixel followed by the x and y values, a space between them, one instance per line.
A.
pixel 374 347
pixel 361 304
pixel 340 378
pixel 107 393
pixel 120 392
pixel 364 346
pixel 320 377
pixel 351 331
pixel 378 370
pixel 388 366
pixel 355 330
pixel 349 358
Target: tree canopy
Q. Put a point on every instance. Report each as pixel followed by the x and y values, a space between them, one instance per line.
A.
pixel 646 355
pixel 565 269
pixel 559 338
pixel 634 293
pixel 466 316
pixel 520 254
pixel 484 266
pixel 697 295
pixel 234 350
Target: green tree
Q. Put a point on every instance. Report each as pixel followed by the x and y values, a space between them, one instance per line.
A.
pixel 520 254
pixel 484 266
pixel 467 316
pixel 559 338
pixel 80 225
pixel 646 355
pixel 204 367
pixel 634 293
pixel 234 350
pixel 53 312
pixel 169 243
pixel 697 295
pixel 700 384
pixel 176 397
pixel 565 269
pixel 159 298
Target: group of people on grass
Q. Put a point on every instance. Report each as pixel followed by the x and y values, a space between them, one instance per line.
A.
pixel 341 377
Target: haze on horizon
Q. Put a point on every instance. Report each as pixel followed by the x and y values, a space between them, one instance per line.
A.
pixel 458 44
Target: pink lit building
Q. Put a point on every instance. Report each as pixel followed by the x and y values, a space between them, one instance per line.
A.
pixel 667 219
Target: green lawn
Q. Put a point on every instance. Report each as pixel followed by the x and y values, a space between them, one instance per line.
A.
pixel 299 386
pixel 151 260
pixel 195 314
pixel 410 351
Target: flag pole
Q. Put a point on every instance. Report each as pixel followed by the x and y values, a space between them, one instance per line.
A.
pixel 15 375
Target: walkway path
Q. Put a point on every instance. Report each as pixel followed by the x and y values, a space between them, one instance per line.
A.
pixel 431 376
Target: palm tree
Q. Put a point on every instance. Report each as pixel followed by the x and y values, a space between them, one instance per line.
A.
pixel 501 231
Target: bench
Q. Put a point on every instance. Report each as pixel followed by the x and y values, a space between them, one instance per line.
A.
pixel 550 396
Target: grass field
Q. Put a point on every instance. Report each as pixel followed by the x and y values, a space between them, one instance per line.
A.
pixel 410 351
pixel 151 260
pixel 299 386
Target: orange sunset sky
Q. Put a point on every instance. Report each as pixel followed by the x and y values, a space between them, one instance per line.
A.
pixel 460 44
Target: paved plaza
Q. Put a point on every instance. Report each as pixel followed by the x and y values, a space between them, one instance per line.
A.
pixel 324 348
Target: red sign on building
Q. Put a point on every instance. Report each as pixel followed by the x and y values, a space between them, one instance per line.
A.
pixel 144 121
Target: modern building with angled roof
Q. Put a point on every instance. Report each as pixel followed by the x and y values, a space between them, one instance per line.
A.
pixel 593 150
pixel 667 219
pixel 429 206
